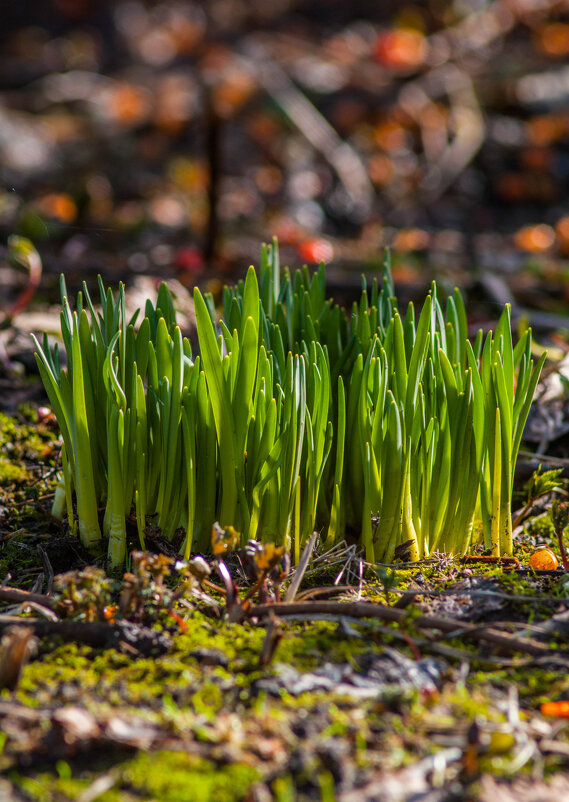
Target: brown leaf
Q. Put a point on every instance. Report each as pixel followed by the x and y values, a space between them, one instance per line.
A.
pixel 15 647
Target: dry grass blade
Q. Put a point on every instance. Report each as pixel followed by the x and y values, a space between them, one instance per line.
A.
pixel 317 130
pixel 301 569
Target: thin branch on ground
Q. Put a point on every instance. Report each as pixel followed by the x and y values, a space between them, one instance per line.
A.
pixel 368 610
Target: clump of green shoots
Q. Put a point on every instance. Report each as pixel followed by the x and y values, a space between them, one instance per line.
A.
pixel 295 416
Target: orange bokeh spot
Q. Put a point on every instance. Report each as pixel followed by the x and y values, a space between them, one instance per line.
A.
pixel 58 206
pixel 547 129
pixel 390 135
pixel 543 560
pixel 233 92
pixel 128 104
pixel 185 34
pixel 109 613
pixel 316 250
pixel 401 49
pixel 534 239
pixel 404 273
pixel 381 169
pixel 411 239
pixel 553 39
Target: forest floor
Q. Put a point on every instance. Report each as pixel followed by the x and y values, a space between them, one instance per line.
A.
pixel 166 140
pixel 441 680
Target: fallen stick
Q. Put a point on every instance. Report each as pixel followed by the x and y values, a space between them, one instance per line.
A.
pixel 94 633
pixel 23 596
pixel 370 610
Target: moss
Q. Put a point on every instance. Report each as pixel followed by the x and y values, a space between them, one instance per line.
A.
pixel 208 699
pixel 158 777
pixel 11 473
pixel 76 672
pixel 26 455
pixel 534 686
pixel 216 705
pixel 24 441
pixel 113 678
pixel 16 556
pixel 177 777
pixel 538 529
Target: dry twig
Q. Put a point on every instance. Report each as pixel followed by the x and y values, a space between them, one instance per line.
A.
pixel 490 635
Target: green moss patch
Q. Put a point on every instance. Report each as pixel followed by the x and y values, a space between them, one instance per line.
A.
pixel 161 776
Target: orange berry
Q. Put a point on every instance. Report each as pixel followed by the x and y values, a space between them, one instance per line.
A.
pixel 544 560
pixel 557 709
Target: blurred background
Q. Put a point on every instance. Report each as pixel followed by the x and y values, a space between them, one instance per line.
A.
pixel 169 139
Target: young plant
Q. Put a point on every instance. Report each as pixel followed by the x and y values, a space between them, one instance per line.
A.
pixel 295 416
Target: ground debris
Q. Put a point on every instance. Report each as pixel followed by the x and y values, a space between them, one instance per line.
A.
pixel 524 789
pixel 65 731
pixel 123 635
pixel 342 679
pixel 313 610
pixel 413 783
pixel 393 667
pixel 10 794
pixel 380 676
pixel 354 698
pixel 471 599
